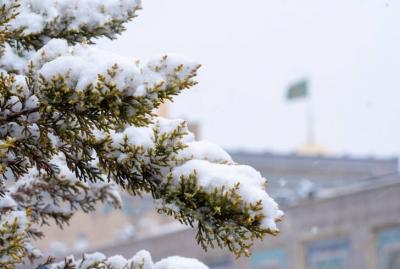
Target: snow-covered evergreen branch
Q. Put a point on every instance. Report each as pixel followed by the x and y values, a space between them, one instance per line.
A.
pixel 77 125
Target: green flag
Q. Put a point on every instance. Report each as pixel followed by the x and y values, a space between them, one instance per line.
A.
pixel 298 90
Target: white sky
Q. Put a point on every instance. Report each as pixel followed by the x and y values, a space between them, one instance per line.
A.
pixel 252 50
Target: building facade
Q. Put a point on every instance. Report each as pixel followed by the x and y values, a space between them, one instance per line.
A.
pixel 341 212
pixel 358 229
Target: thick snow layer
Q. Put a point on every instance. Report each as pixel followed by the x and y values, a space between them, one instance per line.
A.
pixel 35 15
pixel 142 259
pixel 176 262
pixel 82 65
pixel 140 136
pixel 252 184
pixel 205 150
pixel 12 61
pixel 7 202
pixel 213 166
pixel 90 259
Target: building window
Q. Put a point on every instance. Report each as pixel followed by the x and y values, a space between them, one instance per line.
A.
pixel 329 254
pixel 388 241
pixel 269 259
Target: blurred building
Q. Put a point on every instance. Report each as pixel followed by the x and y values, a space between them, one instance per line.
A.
pixel 356 229
pixel 296 176
pixel 341 212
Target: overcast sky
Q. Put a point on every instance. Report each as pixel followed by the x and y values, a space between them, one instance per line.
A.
pixel 252 50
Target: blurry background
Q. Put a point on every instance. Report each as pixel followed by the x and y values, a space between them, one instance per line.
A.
pixel 307 92
pixel 250 52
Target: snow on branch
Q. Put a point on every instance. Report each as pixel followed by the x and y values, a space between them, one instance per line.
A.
pixel 77 125
pixel 142 260
pixel 195 181
pixel 74 20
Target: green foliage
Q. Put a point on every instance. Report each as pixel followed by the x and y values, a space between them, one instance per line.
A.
pixel 7 13
pixel 222 217
pixel 60 28
pixel 46 119
pixel 12 241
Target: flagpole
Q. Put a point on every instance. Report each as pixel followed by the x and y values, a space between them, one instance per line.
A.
pixel 310 123
pixel 301 90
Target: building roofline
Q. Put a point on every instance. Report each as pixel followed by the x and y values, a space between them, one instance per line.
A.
pixel 294 155
pixel 347 191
